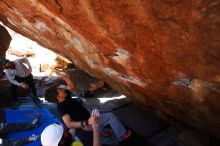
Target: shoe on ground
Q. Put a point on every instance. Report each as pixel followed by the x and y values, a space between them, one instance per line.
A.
pixel 36 120
pixel 127 136
pixel 126 140
pixel 33 137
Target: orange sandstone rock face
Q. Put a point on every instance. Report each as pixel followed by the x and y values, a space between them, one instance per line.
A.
pixel 165 54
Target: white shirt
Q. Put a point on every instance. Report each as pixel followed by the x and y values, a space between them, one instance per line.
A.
pixel 21 70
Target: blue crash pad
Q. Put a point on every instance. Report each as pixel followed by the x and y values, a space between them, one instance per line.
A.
pixel 46 118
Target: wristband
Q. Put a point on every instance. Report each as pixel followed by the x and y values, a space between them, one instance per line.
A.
pixel 84 123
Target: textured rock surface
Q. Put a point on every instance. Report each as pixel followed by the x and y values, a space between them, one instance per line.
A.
pixel 164 54
pixel 5 40
pixel 83 81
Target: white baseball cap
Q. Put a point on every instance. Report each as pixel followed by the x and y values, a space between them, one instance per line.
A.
pixel 52 135
pixel 63 87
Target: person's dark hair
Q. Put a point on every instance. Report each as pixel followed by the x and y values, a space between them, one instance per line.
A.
pixel 3 62
pixel 51 94
pixel 66 139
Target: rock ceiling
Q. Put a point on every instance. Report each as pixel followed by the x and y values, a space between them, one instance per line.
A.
pixel 164 54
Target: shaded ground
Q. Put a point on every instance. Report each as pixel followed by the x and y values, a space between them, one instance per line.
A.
pixel 146 128
pixel 120 107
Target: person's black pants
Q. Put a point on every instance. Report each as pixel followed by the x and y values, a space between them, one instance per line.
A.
pixel 18 142
pixel 14 127
pixel 6 128
pixel 29 80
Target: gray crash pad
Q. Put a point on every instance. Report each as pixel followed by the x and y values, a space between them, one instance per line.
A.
pixel 142 123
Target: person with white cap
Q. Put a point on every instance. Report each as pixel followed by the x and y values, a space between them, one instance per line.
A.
pixel 57 135
pixel 52 134
pixel 75 115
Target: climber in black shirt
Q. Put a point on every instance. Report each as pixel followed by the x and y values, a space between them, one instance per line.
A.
pixel 75 115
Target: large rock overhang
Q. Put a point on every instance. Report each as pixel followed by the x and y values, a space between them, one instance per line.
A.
pixel 164 54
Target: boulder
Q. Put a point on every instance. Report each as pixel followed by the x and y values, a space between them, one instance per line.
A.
pixel 164 54
pixel 5 40
pixel 5 92
pixel 83 81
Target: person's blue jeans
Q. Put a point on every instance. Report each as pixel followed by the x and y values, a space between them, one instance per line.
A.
pixel 13 127
pixel 18 142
